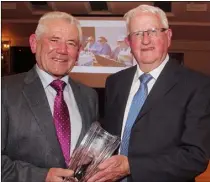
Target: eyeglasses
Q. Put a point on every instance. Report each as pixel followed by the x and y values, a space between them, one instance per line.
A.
pixel 154 32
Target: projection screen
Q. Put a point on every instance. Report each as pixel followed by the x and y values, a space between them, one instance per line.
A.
pixel 104 50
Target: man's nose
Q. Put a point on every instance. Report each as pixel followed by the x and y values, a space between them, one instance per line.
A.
pixel 62 48
pixel 146 38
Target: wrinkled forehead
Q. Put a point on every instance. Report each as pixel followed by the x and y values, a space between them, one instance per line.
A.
pixel 144 21
pixel 61 27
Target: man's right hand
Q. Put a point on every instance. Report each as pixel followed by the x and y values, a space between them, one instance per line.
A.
pixel 58 174
pixel 112 169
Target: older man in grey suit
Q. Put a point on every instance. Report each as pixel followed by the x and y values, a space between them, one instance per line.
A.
pixel 32 138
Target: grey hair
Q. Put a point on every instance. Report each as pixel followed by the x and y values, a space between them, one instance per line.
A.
pixel 146 9
pixel 41 27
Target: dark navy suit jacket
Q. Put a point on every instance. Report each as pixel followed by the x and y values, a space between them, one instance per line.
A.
pixel 170 139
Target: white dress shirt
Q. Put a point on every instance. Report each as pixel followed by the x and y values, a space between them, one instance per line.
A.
pixel 75 118
pixel 136 84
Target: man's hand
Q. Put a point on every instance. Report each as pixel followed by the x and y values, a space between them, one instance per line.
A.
pixel 112 169
pixel 58 174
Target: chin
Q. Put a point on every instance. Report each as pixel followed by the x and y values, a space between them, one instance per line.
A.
pixel 60 73
pixel 148 61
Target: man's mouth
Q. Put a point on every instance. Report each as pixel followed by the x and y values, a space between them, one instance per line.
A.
pixel 148 49
pixel 59 60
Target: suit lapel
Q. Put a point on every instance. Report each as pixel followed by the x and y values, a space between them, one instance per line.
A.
pixel 165 82
pixel 124 87
pixel 82 109
pixel 38 103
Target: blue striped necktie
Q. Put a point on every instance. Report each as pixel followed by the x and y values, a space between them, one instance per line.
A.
pixel 136 105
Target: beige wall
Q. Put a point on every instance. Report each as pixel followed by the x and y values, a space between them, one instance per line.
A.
pixel 198 60
pixel 196 54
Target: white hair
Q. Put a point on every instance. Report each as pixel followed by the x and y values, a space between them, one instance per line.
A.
pixel 146 9
pixel 41 27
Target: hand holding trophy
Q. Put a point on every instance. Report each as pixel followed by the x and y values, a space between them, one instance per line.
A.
pixel 96 146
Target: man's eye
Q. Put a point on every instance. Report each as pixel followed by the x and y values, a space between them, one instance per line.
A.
pixel 138 34
pixel 71 44
pixel 53 40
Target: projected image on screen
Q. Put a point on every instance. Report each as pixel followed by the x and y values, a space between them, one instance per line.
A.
pixel 104 48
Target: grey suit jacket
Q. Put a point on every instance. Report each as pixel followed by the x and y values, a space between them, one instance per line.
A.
pixel 29 143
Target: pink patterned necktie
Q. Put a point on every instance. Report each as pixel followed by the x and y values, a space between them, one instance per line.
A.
pixel 62 119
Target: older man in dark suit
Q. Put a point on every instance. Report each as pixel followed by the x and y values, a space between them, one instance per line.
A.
pixel 160 108
pixel 45 114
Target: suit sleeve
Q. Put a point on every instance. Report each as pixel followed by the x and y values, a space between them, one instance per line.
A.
pixel 191 158
pixel 96 106
pixel 15 170
pixel 107 99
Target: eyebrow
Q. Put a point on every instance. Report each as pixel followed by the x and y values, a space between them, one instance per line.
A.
pixel 55 37
pixel 72 40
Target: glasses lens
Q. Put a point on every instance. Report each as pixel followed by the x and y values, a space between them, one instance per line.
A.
pixel 153 32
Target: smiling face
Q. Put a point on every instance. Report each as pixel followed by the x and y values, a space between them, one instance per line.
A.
pixel 150 51
pixel 57 48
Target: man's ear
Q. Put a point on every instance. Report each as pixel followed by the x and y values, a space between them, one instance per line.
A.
pixel 169 34
pixel 32 41
pixel 127 40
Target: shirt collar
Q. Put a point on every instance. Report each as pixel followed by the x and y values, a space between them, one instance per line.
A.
pixel 154 73
pixel 46 78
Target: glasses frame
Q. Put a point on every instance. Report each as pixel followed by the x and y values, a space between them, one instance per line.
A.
pixel 151 33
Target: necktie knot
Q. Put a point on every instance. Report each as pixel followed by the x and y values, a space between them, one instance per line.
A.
pixel 58 85
pixel 145 78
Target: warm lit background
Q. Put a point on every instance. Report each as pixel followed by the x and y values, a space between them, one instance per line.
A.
pixel 190 22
